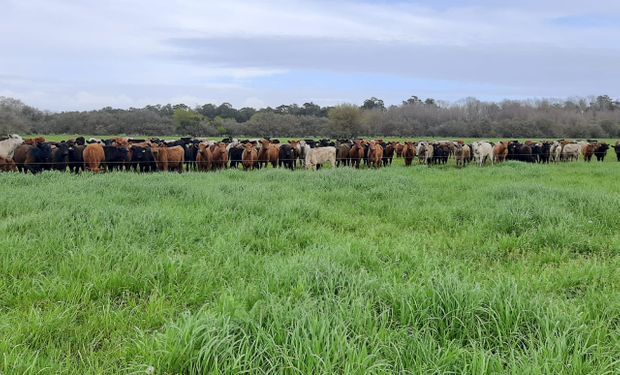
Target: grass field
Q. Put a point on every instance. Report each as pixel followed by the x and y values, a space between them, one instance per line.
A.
pixel 505 269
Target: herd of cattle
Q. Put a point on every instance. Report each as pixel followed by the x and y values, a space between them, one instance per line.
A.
pixel 36 154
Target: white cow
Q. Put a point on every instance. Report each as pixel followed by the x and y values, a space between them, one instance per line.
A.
pixel 482 152
pixel 319 155
pixel 8 146
pixel 300 150
pixel 425 152
pixel 555 151
pixel 570 152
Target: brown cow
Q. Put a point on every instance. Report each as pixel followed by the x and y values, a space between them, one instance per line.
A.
pixel 34 141
pixel 375 154
pixel 269 153
pixel 398 149
pixel 204 157
pixel 342 154
pixel 94 157
pixel 462 154
pixel 298 150
pixel 500 152
pixel 357 153
pixel 408 153
pixel 22 156
pixel 168 158
pixel 219 156
pixel 7 165
pixel 588 151
pixel 249 158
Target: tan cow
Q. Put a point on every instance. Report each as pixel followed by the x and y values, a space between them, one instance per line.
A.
pixel 500 152
pixel 268 153
pixel 219 156
pixel 204 157
pixel 94 157
pixel 570 151
pixel 408 152
pixel 168 158
pixel 375 154
pixel 462 154
pixel 398 149
pixel 249 158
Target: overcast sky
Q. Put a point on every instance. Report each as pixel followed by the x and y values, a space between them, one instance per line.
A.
pixel 74 55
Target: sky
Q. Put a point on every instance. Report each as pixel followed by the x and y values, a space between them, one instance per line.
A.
pixel 63 55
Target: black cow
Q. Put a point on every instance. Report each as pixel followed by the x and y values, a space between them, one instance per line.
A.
pixel 191 151
pixel 525 154
pixel 536 153
pixel 513 150
pixel 235 155
pixel 326 143
pixel 116 158
pixel 441 153
pixel 388 153
pixel 287 157
pixel 76 156
pixel 142 157
pixel 517 151
pixel 60 156
pixel 601 151
pixel 172 143
pixel 545 154
pixel 34 158
pixel 617 149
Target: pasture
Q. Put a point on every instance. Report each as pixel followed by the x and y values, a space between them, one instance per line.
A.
pixel 504 269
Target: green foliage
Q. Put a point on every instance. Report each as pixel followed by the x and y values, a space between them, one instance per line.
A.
pixel 345 120
pixel 373 104
pixel 187 121
pixel 577 118
pixel 400 270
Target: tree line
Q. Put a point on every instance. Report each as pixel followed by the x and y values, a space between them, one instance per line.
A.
pixel 594 117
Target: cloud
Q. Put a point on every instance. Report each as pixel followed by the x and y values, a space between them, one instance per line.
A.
pixel 243 51
pixel 533 65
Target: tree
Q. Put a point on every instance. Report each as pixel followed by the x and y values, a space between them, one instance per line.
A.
pixel 412 100
pixel 374 104
pixel 604 103
pixel 208 110
pixel 187 121
pixel 226 110
pixel 345 121
pixel 244 114
pixel 311 109
pixel 430 101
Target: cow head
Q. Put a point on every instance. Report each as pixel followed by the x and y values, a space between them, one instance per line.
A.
pixel 602 147
pixel 63 149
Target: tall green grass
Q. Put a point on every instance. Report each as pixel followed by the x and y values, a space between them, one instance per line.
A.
pixel 505 269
